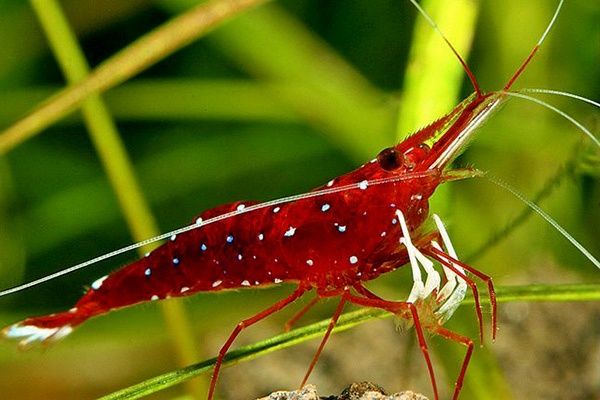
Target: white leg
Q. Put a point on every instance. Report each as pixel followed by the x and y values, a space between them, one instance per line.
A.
pixel 419 290
pixel 450 275
pixel 451 278
pixel 445 237
pixel 433 277
pixel 452 293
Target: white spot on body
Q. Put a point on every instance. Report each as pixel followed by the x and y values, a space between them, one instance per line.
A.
pixel 417 196
pixel 154 297
pixel 146 254
pixel 363 185
pixel 199 221
pixel 394 221
pixel 184 289
pixel 176 261
pixel 216 283
pixel 229 239
pixel 239 257
pixel 148 272
pixel 98 282
pixel 353 259
pixel 241 207
pixel 277 280
pixel 330 183
pixel 325 207
pixel 276 210
pixel 261 236
pixel 342 228
pixel 290 232
pixel 173 237
pixel 383 234
pixel 203 247
pixel 245 283
pixel 310 263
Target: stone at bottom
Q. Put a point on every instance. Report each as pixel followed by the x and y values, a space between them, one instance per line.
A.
pixel 356 391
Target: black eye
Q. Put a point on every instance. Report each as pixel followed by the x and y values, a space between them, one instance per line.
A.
pixel 389 159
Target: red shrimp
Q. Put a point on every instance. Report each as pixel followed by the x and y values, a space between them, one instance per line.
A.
pixel 331 243
pixel 356 227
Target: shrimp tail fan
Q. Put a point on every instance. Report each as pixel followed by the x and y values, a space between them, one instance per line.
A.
pixel 48 328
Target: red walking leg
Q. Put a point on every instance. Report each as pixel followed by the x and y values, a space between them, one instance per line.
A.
pixel 246 323
pixel 462 340
pixel 332 322
pixel 288 325
pixel 437 254
pixel 405 310
pixel 449 264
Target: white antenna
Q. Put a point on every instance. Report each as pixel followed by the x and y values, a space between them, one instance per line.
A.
pixel 200 223
pixel 559 112
pixel 560 93
pixel 547 218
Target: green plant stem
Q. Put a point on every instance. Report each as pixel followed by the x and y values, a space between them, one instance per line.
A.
pixel 172 99
pixel 143 53
pixel 115 160
pixel 530 293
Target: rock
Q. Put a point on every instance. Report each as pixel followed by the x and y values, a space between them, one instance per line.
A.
pixel 308 392
pixel 356 391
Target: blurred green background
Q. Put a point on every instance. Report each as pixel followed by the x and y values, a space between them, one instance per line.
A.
pixel 274 103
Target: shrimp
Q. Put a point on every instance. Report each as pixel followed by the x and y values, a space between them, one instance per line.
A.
pixel 351 230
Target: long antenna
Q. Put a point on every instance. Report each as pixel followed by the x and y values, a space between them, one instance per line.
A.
pixel 563 114
pixel 546 217
pixel 200 223
pixel 560 93
pixel 458 56
pixel 535 48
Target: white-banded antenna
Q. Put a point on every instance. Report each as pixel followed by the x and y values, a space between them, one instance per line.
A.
pixel 199 223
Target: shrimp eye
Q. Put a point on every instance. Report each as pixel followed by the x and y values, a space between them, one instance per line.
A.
pixel 390 159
